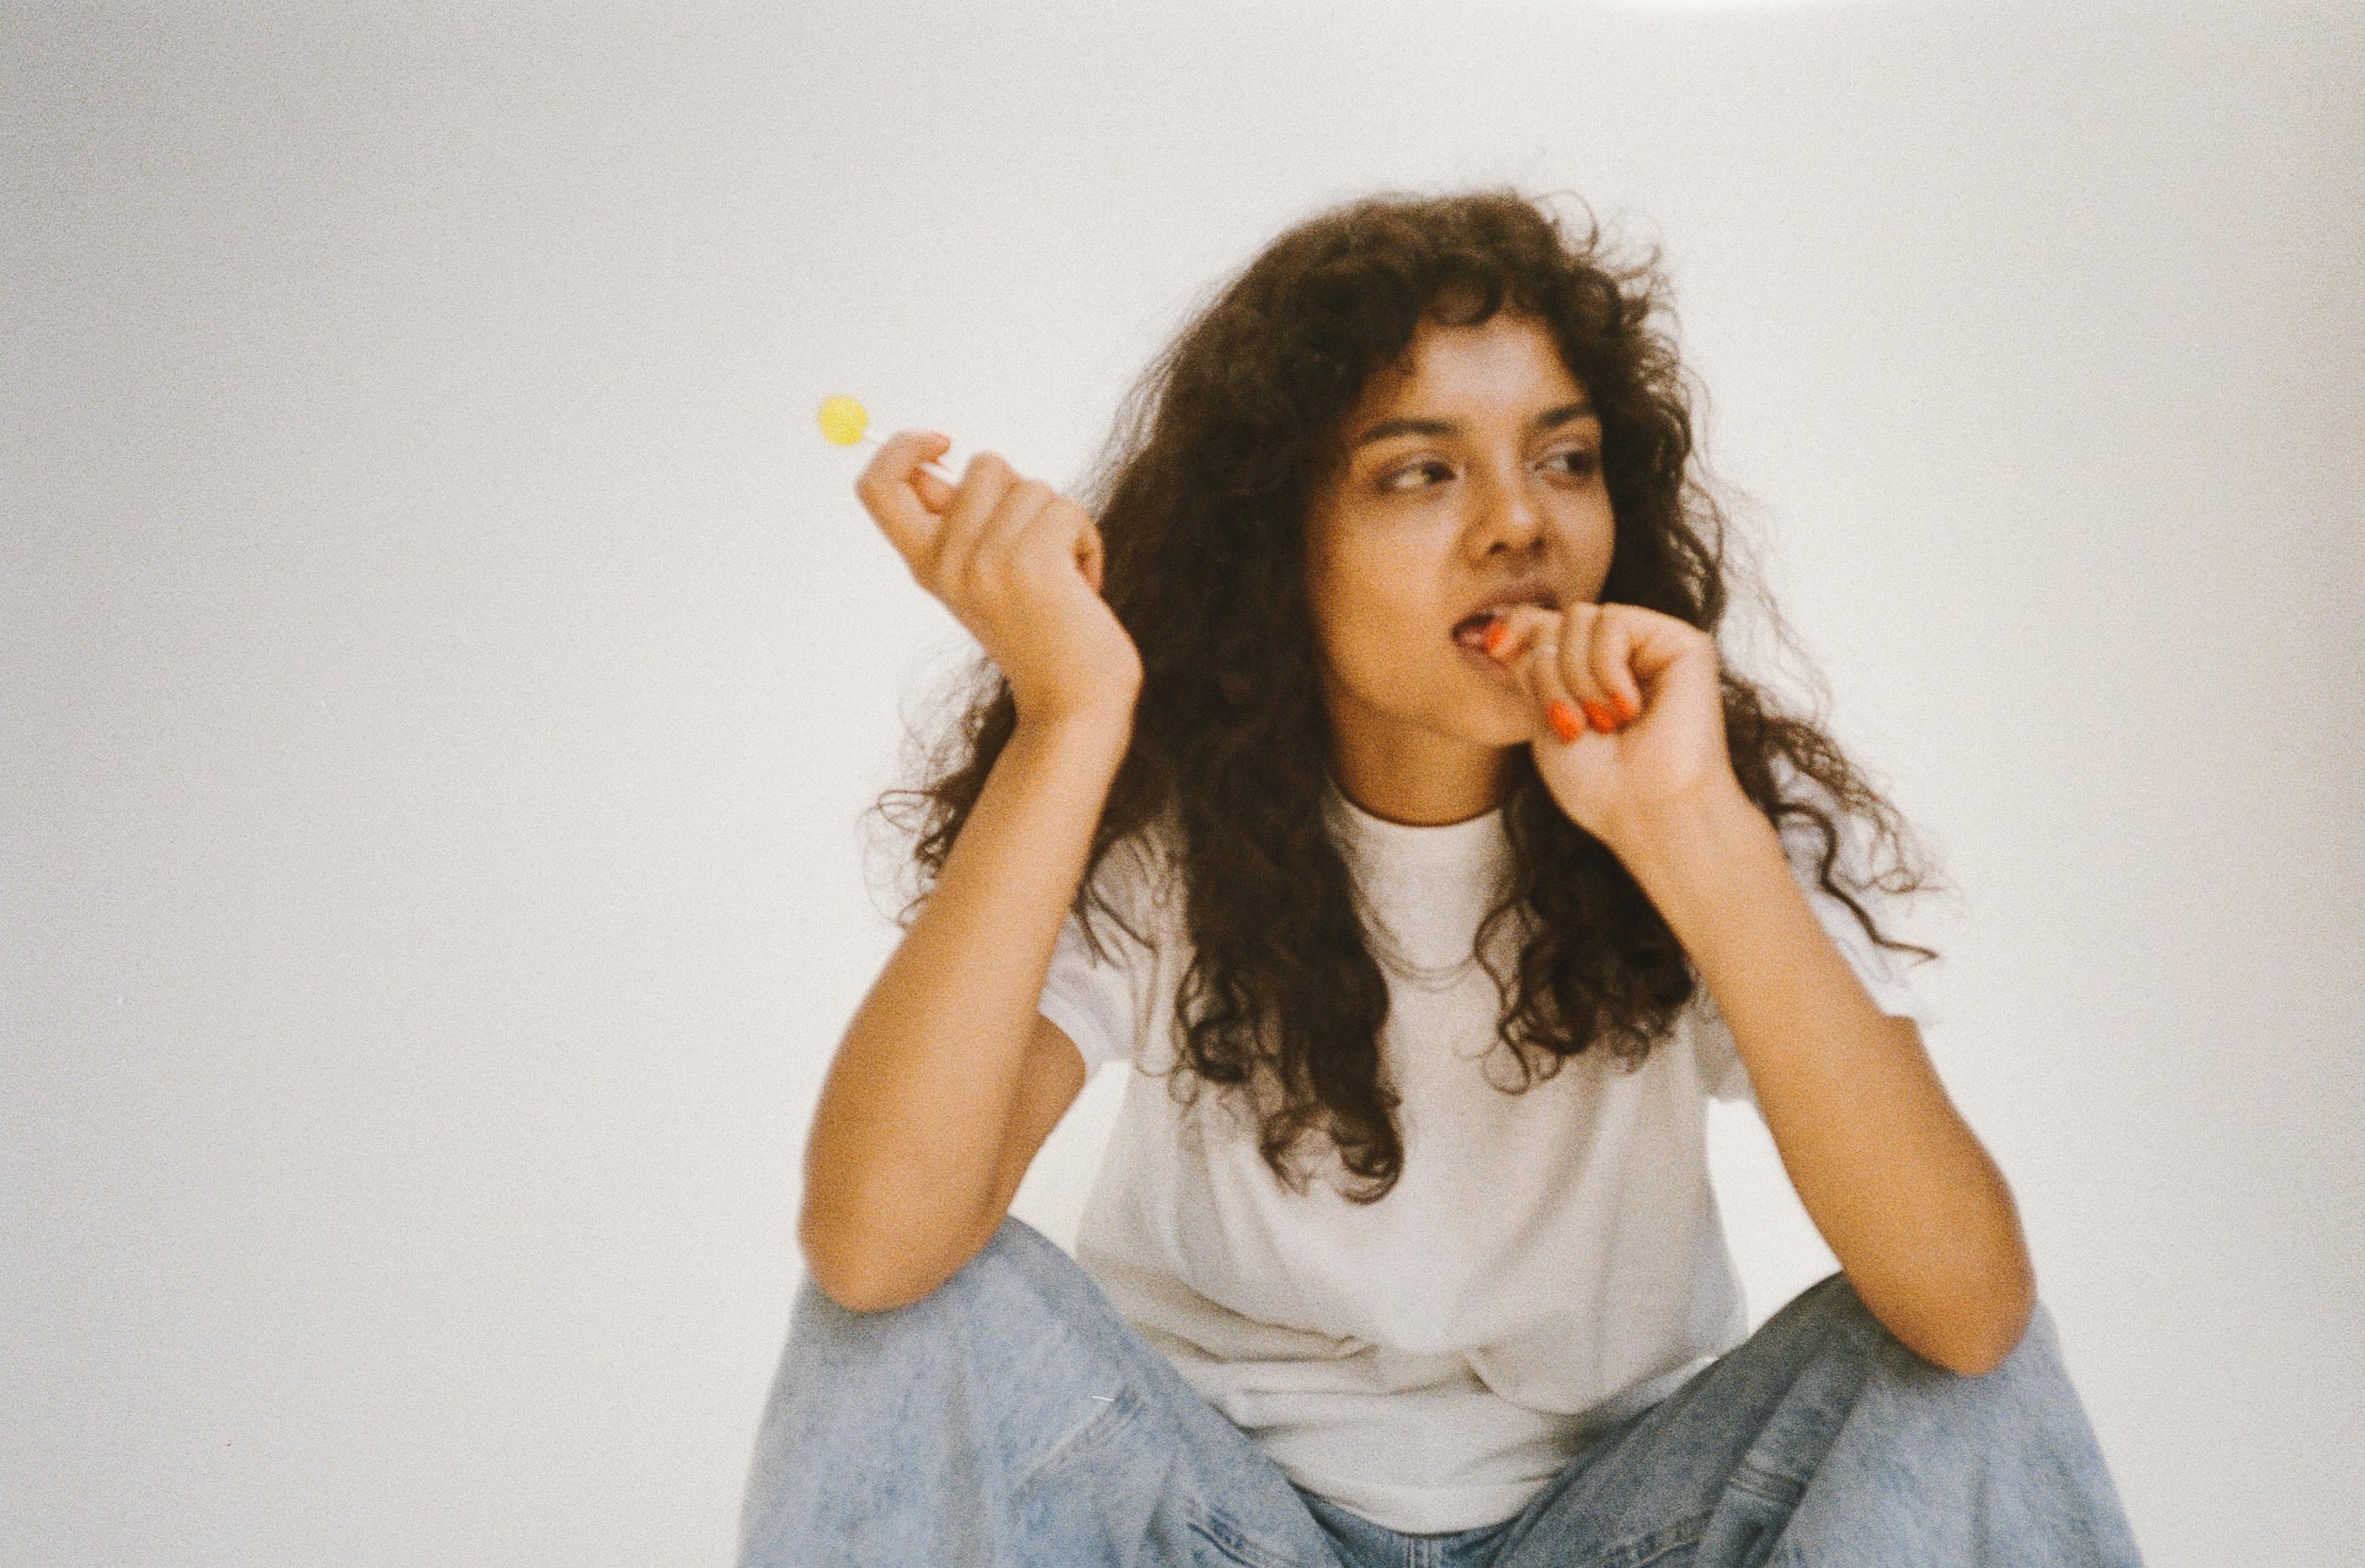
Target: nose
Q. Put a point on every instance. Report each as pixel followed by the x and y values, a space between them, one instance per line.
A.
pixel 1509 508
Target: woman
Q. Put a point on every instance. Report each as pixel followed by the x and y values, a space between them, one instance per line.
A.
pixel 1381 709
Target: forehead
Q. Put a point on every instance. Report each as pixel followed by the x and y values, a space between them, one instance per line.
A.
pixel 1507 357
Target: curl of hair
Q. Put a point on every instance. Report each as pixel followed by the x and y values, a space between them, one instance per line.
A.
pixel 1200 496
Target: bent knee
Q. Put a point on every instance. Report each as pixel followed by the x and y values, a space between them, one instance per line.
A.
pixel 1017 1259
pixel 1835 1302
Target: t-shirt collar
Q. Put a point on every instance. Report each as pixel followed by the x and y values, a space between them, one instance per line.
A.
pixel 1470 843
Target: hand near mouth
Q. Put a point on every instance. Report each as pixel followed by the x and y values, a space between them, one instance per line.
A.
pixel 1651 739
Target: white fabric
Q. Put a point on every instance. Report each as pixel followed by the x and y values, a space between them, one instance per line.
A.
pixel 1548 1262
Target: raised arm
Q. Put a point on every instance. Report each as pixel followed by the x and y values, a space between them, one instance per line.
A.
pixel 909 1150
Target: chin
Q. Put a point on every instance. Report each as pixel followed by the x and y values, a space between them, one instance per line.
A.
pixel 1500 725
pixel 1507 736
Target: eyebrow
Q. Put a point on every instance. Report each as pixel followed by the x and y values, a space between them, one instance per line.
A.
pixel 1550 419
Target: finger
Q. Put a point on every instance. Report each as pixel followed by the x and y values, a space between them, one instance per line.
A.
pixel 1006 533
pixel 887 490
pixel 934 494
pixel 1548 662
pixel 1525 643
pixel 1659 643
pixel 1580 666
pixel 1092 553
pixel 1064 529
pixel 982 485
pixel 1514 630
pixel 1612 657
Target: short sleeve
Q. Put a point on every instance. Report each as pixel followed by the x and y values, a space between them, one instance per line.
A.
pixel 1721 1070
pixel 1103 1003
pixel 1095 1000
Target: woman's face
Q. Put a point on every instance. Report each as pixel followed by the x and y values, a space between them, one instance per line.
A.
pixel 1473 465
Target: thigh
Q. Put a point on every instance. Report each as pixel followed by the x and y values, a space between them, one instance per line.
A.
pixel 1823 1438
pixel 1164 1477
pixel 1708 1473
pixel 1008 1417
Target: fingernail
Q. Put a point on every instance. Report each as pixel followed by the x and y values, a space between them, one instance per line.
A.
pixel 1564 719
pixel 1625 707
pixel 1602 719
pixel 1494 635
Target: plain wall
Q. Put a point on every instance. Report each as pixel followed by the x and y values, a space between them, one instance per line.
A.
pixel 442 670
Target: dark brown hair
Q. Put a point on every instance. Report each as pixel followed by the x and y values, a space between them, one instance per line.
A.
pixel 1201 497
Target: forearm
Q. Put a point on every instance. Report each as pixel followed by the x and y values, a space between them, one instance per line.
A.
pixel 916 1106
pixel 1910 1204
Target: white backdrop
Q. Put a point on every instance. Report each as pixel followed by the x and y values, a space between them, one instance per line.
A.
pixel 442 670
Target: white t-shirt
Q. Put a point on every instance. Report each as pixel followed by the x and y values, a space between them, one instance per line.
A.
pixel 1547 1261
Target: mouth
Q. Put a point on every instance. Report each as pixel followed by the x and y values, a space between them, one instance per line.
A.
pixel 1488 665
pixel 1470 629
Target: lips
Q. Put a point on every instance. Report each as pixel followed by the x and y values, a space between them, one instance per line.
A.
pixel 1471 632
pixel 1471 627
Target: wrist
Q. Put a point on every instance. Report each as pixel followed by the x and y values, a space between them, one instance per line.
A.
pixel 1703 824
pixel 1096 730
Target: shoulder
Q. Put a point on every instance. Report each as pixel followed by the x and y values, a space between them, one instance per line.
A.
pixel 1138 881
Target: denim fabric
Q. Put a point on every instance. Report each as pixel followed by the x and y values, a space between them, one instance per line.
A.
pixel 1009 1418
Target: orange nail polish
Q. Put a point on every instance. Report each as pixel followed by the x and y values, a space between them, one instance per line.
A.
pixel 1564 719
pixel 1598 715
pixel 1493 636
pixel 1626 709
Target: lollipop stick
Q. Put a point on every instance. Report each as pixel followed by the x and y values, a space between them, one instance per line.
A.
pixel 844 422
pixel 871 439
pixel 928 467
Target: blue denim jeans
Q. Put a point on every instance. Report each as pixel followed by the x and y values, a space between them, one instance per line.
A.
pixel 1009 1418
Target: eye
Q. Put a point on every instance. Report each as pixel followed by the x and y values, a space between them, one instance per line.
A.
pixel 1582 463
pixel 1389 483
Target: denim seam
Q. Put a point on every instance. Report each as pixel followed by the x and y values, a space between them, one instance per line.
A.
pixel 1652 1545
pixel 1219 1531
pixel 1109 1418
pixel 1763 1481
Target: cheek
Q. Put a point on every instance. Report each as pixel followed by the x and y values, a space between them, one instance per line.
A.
pixel 1369 633
pixel 1390 652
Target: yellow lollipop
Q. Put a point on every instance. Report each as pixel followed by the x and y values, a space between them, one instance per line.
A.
pixel 844 422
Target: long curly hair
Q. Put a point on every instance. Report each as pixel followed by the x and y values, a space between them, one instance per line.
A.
pixel 1200 496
